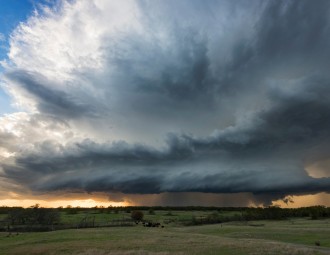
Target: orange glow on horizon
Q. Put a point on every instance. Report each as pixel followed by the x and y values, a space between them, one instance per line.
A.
pixel 154 199
pixel 306 201
pixel 57 203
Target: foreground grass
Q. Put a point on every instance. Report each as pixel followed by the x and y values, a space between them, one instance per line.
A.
pixel 262 237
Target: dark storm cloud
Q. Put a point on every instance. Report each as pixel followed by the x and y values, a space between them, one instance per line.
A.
pixel 298 118
pixel 49 100
pixel 260 83
pixel 294 27
pixel 268 153
pixel 153 81
pixel 288 42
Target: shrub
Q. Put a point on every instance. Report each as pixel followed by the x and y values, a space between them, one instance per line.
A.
pixel 137 215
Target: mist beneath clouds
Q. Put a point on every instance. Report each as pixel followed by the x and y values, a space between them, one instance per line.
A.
pixel 150 97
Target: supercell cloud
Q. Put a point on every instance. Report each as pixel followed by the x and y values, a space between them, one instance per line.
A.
pixel 149 97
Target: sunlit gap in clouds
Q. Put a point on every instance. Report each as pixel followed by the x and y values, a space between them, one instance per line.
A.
pixel 88 203
pixel 221 200
pixel 63 200
pixel 319 169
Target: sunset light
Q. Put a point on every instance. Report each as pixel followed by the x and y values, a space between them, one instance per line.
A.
pixel 153 127
pixel 164 103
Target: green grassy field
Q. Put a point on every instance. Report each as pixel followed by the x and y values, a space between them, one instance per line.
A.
pixel 174 217
pixel 293 237
pixel 101 218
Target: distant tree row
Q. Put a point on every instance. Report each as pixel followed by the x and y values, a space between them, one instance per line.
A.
pixel 37 216
pixel 268 213
pixel 33 215
pixel 271 212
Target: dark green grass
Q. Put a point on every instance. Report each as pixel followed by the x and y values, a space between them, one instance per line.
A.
pixel 176 217
pixel 262 237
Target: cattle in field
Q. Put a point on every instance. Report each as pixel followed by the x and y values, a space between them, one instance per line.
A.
pixel 151 224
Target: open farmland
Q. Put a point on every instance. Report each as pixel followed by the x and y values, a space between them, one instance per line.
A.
pixel 297 236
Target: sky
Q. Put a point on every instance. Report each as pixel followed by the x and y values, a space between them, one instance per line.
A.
pixel 11 13
pixel 192 102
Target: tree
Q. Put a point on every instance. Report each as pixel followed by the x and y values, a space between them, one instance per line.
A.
pixel 137 215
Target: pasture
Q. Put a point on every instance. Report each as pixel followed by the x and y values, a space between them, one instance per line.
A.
pixel 295 237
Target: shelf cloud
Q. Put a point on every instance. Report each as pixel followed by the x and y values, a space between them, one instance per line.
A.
pixel 164 97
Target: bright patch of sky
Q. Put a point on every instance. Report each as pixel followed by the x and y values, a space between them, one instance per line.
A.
pixel 12 12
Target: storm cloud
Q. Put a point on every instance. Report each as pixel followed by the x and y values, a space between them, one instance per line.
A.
pixel 150 97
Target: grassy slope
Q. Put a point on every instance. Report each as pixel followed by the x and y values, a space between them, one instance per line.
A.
pixel 275 237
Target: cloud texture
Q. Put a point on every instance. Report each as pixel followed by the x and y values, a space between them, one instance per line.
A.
pixel 147 97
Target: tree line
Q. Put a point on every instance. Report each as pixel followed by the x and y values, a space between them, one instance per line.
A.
pixel 267 213
pixel 36 218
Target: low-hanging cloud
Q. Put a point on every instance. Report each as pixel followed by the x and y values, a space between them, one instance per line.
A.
pixel 211 97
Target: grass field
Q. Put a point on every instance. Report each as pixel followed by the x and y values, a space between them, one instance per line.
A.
pixel 159 216
pixel 101 219
pixel 292 237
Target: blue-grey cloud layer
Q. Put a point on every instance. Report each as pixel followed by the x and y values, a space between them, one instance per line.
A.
pixel 242 88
